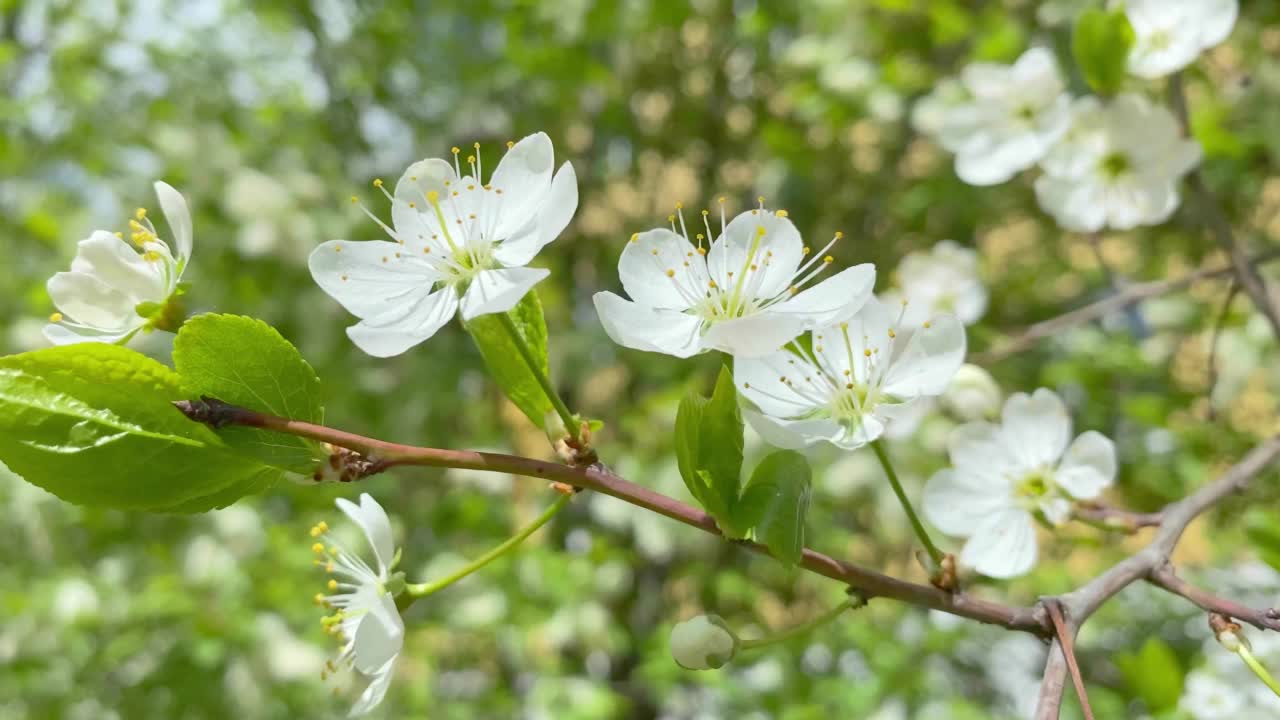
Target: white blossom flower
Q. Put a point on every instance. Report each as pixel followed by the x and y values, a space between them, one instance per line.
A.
pixel 1206 697
pixel 1170 34
pixel 746 294
pixel 1003 476
pixel 973 394
pixel 365 619
pixel 943 280
pixel 858 376
pixel 458 245
pixel 930 112
pixel 1015 114
pixel 702 643
pixel 1118 166
pixel 116 287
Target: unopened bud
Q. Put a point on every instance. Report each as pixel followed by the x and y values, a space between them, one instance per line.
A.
pixel 703 643
pixel 1227 632
pixel 973 394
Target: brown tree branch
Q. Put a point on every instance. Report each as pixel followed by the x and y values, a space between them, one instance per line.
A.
pixel 1066 648
pixel 1111 518
pixel 1130 295
pixel 1264 619
pixel 383 455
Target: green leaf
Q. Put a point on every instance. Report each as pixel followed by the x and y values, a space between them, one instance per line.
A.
pixel 775 504
pixel 688 429
pixel 1100 43
pixel 721 439
pixel 505 363
pixel 246 362
pixel 94 425
pixel 1153 674
pixel 1262 527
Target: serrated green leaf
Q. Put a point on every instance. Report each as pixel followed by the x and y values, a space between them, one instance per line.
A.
pixel 246 362
pixel 721 439
pixel 94 425
pixel 506 365
pixel 688 427
pixel 1153 674
pixel 1100 44
pixel 776 502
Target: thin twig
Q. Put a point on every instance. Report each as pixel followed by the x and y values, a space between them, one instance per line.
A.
pixel 1130 295
pixel 600 479
pixel 1110 518
pixel 1054 682
pixel 1165 577
pixel 1066 646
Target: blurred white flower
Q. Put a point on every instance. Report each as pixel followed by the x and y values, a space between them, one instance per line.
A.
pixel 857 376
pixel 74 599
pixel 116 288
pixel 930 112
pixel 1014 115
pixel 745 294
pixel 1205 697
pixel 1003 476
pixel 943 280
pixel 973 394
pixel 1118 167
pixel 702 643
pixel 366 619
pixel 1170 34
pixel 459 246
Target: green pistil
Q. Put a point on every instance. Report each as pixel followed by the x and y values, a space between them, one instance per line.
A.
pixel 1115 164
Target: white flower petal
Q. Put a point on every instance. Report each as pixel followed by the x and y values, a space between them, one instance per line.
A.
pixel 495 291
pixel 1003 545
pixel 957 503
pixel 179 217
pixel 557 211
pixel 930 359
pixel 1075 205
pixel 92 302
pixel 641 327
pixel 375 691
pixel 753 335
pixel 644 264
pixel 379 637
pixel 63 334
pixel 119 266
pixel 760 380
pixel 400 328
pixel 372 277
pixel 792 434
pixel 1088 467
pixel 524 177
pixel 375 524
pixel 833 300
pixel 976 446
pixel 1036 427
pixel 730 257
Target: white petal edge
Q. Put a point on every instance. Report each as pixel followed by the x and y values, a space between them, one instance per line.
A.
pixel 833 300
pixel 495 291
pixel 1088 467
pixel 179 217
pixel 1003 546
pixel 640 327
pixel 393 333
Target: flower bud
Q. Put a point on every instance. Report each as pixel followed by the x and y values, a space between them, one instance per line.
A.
pixel 973 394
pixel 703 643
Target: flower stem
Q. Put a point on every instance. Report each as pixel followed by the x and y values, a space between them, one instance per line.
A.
pixel 1257 668
pixel 566 415
pixel 420 590
pixel 883 456
pixel 805 627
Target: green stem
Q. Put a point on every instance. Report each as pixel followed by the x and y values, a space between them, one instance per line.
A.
pixel 802 628
pixel 1258 669
pixel 417 591
pixel 883 456
pixel 566 415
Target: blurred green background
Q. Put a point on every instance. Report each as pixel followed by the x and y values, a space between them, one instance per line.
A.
pixel 269 117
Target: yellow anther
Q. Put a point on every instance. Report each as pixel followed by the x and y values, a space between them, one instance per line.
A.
pixel 471 187
pixel 455 150
pixel 828 259
pixel 712 284
pixel 433 196
pixel 413 205
pixel 867 352
pixel 151 256
pixel 671 273
pixel 118 234
pixel 927 324
pixel 140 213
pixel 136 226
pixel 720 199
pixel 655 251
pixel 746 386
pixel 328 567
pixel 510 144
pixel 318 599
pixel 702 251
pixel 471 159
pixel 635 237
pixel 755 266
pixel 454 193
pixel 760 230
pixel 760 199
pixel 377 182
pixel 344 278
pixel 55 317
pixel 488 187
pixel 839 234
pixel 671 218
pixel 354 200
pixel 892 334
pixel 844 326
pixel 337 248
pixel 706 213
pixel 781 213
pixel 807 250
pixel 332 585
pixel 317 547
pixel 413 178
pixel 700 236
pixel 794 289
pixel 475 145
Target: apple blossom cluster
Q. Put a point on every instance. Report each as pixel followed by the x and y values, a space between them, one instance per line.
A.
pixel 1110 162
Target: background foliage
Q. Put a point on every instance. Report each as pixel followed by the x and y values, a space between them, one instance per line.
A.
pixel 269 117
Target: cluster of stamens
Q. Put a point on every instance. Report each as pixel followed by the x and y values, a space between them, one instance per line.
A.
pixel 740 294
pixel 141 232
pixel 469 240
pixel 326 557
